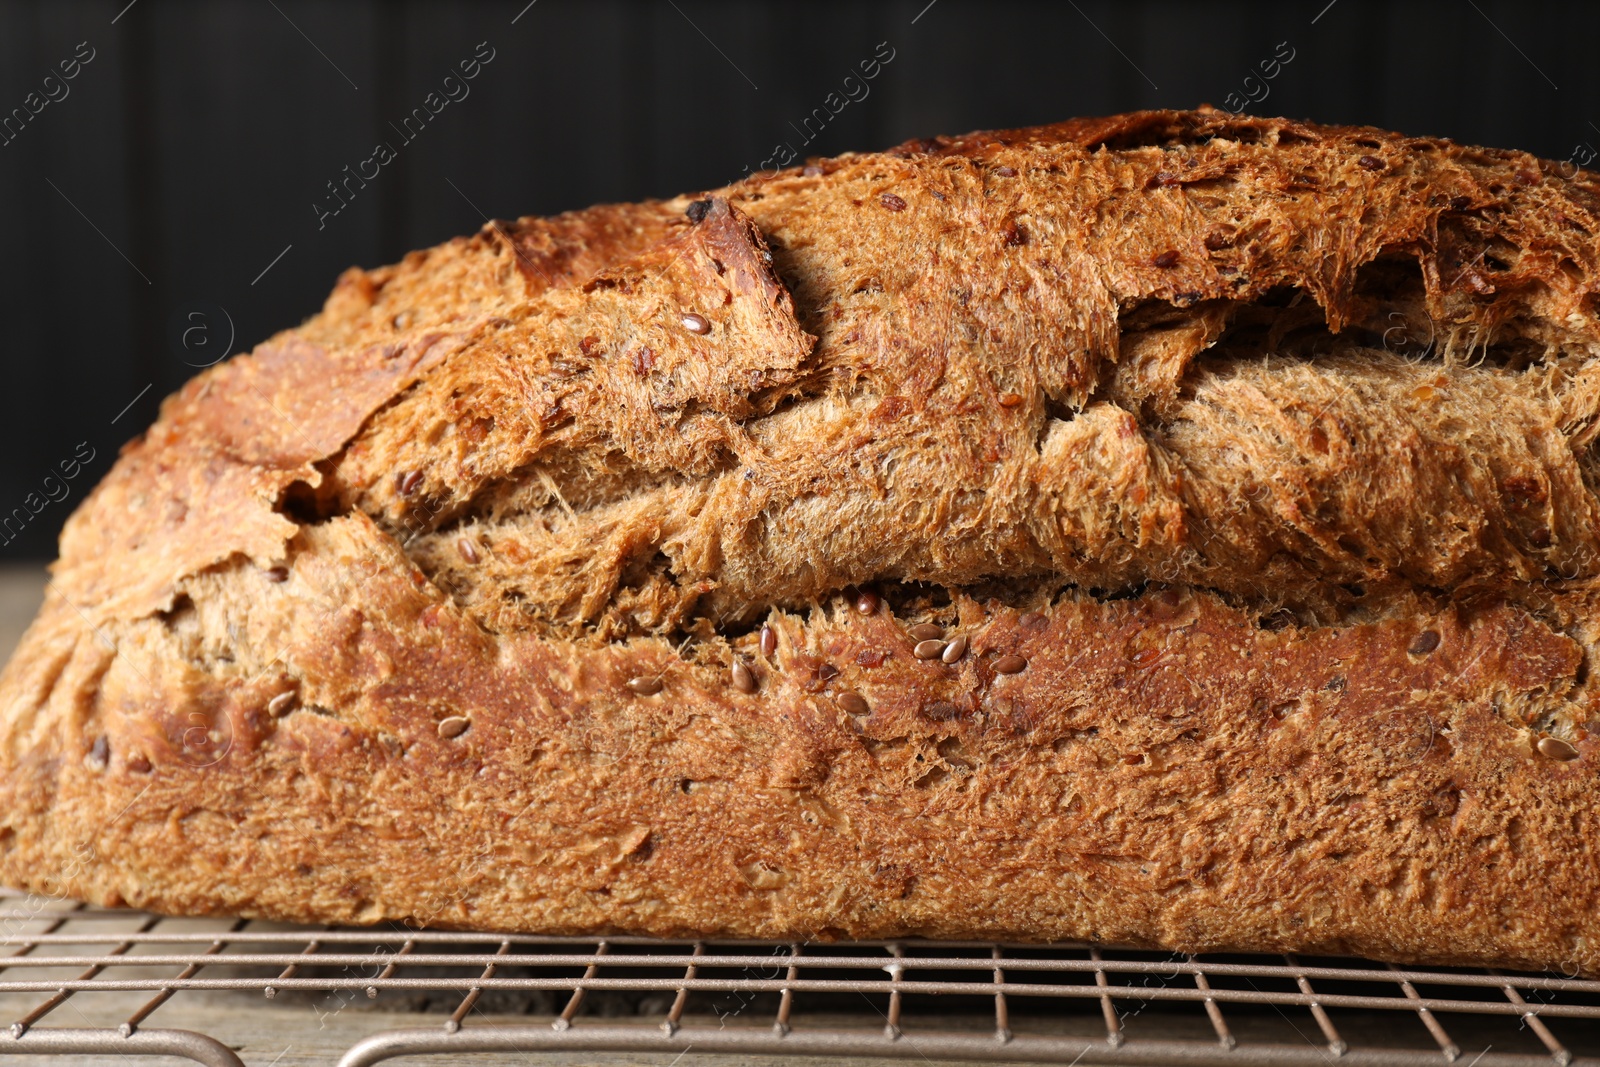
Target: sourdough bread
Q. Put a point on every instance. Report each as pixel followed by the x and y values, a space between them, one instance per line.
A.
pixel 1175 529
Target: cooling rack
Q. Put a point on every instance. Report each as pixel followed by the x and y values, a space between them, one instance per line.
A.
pixel 455 993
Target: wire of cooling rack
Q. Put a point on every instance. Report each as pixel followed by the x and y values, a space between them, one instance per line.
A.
pixel 894 994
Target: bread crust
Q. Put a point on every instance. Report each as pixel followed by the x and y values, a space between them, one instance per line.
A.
pixel 1240 466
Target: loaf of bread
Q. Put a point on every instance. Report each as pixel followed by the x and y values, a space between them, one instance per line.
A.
pixel 1176 529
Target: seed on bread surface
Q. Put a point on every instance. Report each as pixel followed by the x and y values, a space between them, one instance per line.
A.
pixel 1010 664
pixel 1423 643
pixel 1557 749
pixel 645 685
pixel 853 702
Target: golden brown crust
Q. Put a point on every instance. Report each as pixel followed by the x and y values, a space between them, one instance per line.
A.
pixel 1244 462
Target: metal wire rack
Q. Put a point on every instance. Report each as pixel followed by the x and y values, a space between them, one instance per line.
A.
pixel 932 1001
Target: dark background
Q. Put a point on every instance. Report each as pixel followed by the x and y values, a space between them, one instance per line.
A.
pixel 189 151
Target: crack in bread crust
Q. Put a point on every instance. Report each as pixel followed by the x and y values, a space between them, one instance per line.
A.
pixel 989 413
